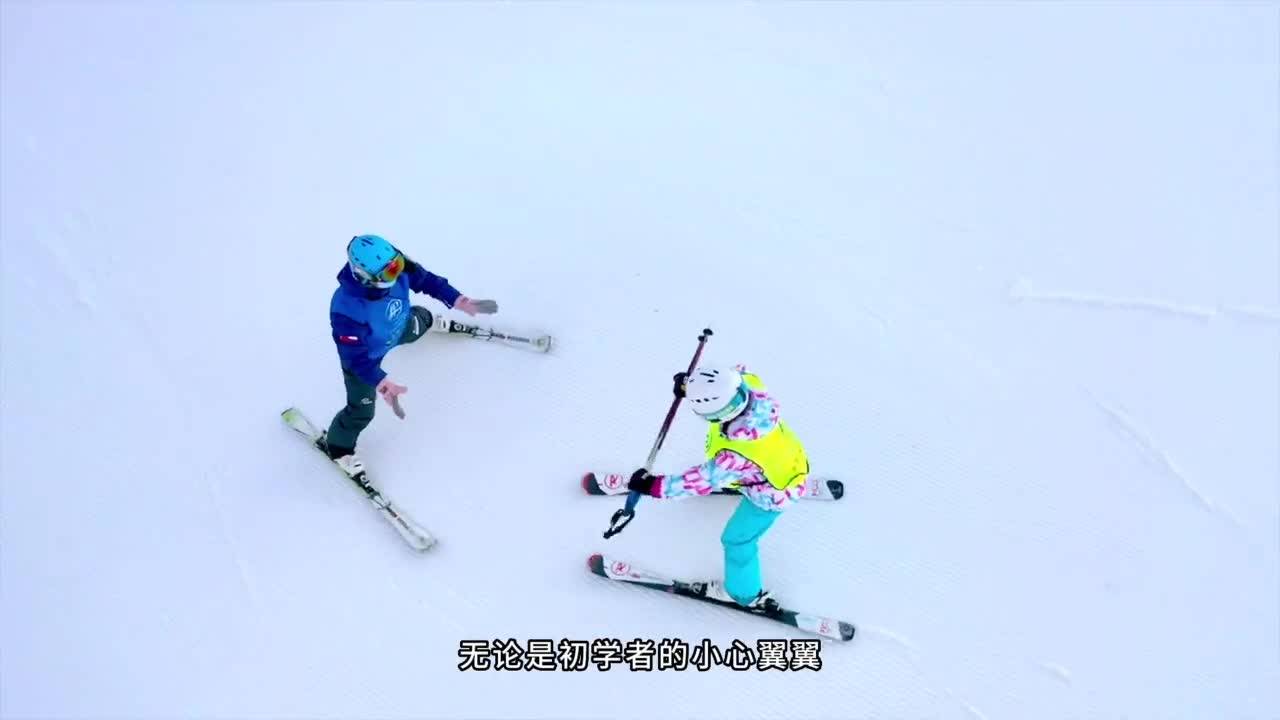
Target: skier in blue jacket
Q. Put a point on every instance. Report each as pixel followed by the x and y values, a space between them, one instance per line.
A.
pixel 370 314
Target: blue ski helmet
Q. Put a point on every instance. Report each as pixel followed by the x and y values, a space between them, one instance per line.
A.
pixel 374 261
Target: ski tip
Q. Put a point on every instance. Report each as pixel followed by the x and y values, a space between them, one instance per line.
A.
pixel 846 631
pixel 836 488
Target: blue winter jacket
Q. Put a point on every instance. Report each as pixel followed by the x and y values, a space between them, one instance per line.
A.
pixel 367 322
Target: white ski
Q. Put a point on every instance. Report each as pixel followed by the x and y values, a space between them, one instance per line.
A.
pixel 618 570
pixel 414 534
pixel 539 343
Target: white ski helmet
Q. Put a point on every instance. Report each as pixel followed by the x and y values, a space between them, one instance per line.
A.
pixel 716 392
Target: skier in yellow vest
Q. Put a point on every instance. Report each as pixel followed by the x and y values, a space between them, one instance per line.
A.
pixel 749 448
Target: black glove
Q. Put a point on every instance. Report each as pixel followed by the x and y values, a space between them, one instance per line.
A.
pixel 641 482
pixel 678 388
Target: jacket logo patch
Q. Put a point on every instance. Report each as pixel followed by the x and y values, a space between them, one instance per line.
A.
pixel 394 308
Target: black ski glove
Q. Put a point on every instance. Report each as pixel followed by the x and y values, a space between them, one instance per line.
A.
pixel 641 482
pixel 678 388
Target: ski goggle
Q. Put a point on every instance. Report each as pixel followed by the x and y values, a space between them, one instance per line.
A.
pixel 735 406
pixel 389 272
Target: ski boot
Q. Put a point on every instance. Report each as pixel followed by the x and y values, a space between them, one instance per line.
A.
pixel 439 324
pixel 347 460
pixel 763 602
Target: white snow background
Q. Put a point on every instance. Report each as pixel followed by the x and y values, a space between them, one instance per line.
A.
pixel 1012 271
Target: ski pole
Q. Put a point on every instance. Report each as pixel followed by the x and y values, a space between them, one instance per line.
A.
pixel 629 510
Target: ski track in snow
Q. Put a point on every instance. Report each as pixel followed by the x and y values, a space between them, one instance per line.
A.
pixel 72 225
pixel 1254 312
pixel 915 658
pixel 969 707
pixel 894 638
pixel 247 584
pixel 1023 291
pixel 1161 459
pixel 1057 671
pixel 883 322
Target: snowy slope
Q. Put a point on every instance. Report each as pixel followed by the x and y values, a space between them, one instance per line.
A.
pixel 1013 272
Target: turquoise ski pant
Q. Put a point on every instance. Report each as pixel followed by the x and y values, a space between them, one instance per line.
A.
pixel 741 552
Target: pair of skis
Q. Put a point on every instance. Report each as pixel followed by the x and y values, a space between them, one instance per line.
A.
pixel 611 568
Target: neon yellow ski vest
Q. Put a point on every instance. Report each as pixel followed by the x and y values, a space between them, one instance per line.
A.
pixel 778 453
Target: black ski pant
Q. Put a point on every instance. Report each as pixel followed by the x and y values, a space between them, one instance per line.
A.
pixel 362 398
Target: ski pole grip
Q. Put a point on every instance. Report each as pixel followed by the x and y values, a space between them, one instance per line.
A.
pixel 625 515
